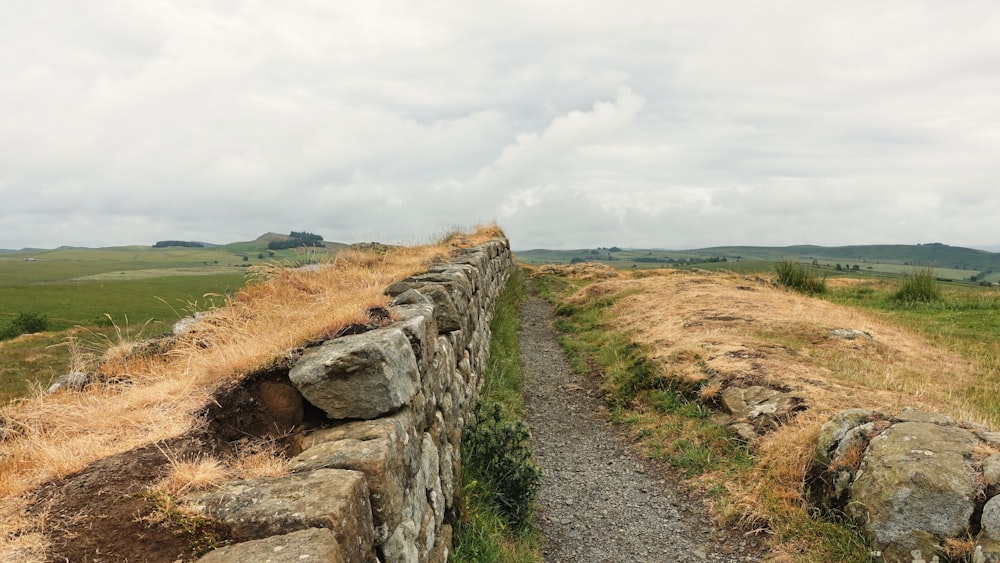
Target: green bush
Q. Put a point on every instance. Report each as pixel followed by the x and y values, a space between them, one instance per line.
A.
pixel 921 287
pixel 495 450
pixel 795 276
pixel 24 323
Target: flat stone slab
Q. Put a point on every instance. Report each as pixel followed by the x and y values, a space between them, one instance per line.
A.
pixel 315 545
pixel 336 499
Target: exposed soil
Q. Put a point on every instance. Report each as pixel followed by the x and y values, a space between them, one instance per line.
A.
pixel 107 512
pixel 599 500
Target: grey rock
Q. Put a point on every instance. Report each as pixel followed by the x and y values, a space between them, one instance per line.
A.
pixel 914 486
pixel 315 545
pixel 381 461
pixel 326 498
pixel 914 415
pixel 834 430
pixel 446 313
pixel 991 518
pixel 359 376
pixel 991 470
pixel 72 381
pixel 848 334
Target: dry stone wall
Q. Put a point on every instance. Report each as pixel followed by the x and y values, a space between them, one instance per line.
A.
pixel 378 484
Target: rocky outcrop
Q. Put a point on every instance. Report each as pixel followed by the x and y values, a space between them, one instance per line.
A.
pixel 911 481
pixel 753 411
pixel 378 482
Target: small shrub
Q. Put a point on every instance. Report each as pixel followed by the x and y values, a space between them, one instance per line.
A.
pixel 921 287
pixel 795 276
pixel 24 323
pixel 496 451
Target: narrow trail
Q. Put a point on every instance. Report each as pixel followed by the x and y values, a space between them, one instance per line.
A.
pixel 599 501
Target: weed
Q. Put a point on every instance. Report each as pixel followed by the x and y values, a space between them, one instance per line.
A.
pixel 795 276
pixel 921 287
pixel 495 449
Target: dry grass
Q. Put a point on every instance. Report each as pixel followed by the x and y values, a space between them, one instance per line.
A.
pixel 729 328
pixel 49 436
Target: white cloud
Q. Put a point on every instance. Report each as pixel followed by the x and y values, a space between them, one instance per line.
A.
pixel 638 124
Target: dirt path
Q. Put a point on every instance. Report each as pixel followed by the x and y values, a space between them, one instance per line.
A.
pixel 599 500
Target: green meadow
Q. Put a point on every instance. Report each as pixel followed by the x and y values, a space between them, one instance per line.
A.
pixel 950 263
pixel 93 294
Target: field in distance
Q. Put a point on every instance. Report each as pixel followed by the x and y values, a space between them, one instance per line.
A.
pixel 949 262
pixel 92 293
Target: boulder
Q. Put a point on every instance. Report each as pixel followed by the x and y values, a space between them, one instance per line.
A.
pixel 910 481
pixel 360 376
pixel 283 402
pixel 379 459
pixel 914 486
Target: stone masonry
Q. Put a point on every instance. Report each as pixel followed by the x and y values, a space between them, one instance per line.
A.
pixel 378 484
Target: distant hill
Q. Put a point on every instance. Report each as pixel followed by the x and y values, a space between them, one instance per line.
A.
pixel 934 254
pixel 260 244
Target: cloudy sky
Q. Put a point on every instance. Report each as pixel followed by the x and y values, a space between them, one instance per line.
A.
pixel 659 123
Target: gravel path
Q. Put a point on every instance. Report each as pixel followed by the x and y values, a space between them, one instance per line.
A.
pixel 598 500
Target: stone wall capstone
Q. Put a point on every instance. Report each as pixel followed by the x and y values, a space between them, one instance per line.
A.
pixel 378 483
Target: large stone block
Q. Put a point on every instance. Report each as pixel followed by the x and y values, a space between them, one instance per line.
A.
pixel 448 315
pixel 380 459
pixel 326 498
pixel 417 323
pixel 317 545
pixel 360 376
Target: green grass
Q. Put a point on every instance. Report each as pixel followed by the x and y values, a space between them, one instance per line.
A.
pixel 484 533
pixel 85 303
pixel 918 288
pixel 141 290
pixel 801 278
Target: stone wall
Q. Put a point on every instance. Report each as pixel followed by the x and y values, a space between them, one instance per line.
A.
pixel 377 484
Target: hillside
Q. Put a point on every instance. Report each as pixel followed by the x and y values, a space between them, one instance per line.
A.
pixel 951 261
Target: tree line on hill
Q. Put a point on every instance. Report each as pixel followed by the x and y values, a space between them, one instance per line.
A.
pixel 297 239
pixel 185 243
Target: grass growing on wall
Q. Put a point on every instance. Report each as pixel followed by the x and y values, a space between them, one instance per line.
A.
pixel 488 531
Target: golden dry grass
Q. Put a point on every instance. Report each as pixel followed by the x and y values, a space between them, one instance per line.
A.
pixel 49 436
pixel 736 329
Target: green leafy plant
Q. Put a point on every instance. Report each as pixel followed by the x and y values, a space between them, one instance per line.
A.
pixel 495 450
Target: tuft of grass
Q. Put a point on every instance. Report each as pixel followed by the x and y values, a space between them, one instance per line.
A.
pixel 795 276
pixel 921 287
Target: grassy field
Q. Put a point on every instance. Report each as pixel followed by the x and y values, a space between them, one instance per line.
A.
pixel 139 290
pixel 951 263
